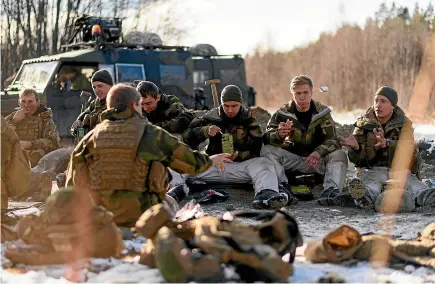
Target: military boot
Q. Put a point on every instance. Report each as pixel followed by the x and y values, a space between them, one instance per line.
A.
pixel 332 196
pixel 178 192
pixel 269 199
pixel 357 191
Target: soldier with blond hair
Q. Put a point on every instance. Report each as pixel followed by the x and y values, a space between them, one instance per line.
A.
pixel 301 137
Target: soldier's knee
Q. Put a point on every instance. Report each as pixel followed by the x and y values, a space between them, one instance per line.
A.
pixel 269 151
pixel 264 162
pixel 338 156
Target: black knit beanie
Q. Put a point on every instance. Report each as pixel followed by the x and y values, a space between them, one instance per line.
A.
pixel 389 93
pixel 102 76
pixel 231 93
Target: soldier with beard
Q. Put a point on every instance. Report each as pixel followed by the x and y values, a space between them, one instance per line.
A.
pixel 102 81
pixel 34 126
pixel 378 138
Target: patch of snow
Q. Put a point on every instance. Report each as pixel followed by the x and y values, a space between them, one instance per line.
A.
pixel 131 272
pixel 363 272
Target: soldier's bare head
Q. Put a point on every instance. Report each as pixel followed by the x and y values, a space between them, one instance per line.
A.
pixel 123 97
pixel 29 101
pixel 150 95
pixel 301 88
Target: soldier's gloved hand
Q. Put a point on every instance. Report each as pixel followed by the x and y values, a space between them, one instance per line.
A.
pixel 285 128
pixel 350 141
pixel 313 160
pixel 19 115
pixel 213 130
pixel 77 123
pixel 382 142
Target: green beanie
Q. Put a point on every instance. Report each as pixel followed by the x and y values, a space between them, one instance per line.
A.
pixel 231 93
pixel 389 93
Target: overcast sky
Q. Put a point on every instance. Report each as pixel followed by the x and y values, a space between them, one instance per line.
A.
pixel 238 26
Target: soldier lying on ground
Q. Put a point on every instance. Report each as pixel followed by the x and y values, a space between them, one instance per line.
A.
pixel 123 160
pixel 381 131
pixel 34 126
pixel 102 81
pixel 301 137
pixel 162 110
pixel 231 129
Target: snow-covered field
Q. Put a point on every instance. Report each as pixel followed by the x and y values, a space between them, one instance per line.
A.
pixel 130 271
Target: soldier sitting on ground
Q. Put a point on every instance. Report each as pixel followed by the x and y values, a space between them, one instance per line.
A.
pixel 381 132
pixel 122 161
pixel 231 129
pixel 301 138
pixel 34 126
pixel 15 166
pixel 162 110
pixel 102 81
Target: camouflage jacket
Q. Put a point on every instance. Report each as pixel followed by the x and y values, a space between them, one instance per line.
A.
pixel 15 167
pixel 91 116
pixel 155 145
pixel 38 128
pixel 319 137
pixel 368 155
pixel 171 115
pixel 247 134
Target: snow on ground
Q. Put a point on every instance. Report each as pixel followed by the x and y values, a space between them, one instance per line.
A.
pixel 119 271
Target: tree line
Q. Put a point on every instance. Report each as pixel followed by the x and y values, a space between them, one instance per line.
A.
pixel 354 61
pixel 33 28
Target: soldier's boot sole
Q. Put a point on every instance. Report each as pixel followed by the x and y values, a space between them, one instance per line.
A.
pixel 275 202
pixel 357 191
pixel 172 265
pixel 356 188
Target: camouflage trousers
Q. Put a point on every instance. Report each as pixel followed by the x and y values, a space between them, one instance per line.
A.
pixel 333 166
pixel 258 171
pixel 373 179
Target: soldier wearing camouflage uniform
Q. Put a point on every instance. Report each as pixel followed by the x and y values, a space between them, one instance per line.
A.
pixel 102 81
pixel 301 137
pixel 15 167
pixel 162 110
pixel 372 148
pixel 123 160
pixel 34 126
pixel 232 121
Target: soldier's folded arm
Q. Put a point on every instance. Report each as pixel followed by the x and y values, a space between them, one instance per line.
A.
pixel 271 137
pixel 330 143
pixel 50 140
pixel 171 152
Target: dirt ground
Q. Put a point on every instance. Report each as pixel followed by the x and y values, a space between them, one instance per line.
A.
pixel 316 221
